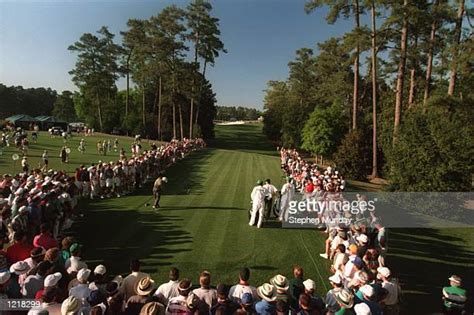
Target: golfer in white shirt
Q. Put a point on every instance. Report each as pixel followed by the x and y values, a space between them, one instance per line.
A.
pixel 258 203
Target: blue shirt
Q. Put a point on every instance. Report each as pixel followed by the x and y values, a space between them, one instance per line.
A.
pixel 265 308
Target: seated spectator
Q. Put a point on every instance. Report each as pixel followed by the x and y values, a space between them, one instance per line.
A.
pixel 205 293
pixel 177 305
pixel 169 290
pixel 237 291
pixel 130 282
pixel 45 238
pixel 268 294
pixel 20 250
pixel 224 304
pixel 144 288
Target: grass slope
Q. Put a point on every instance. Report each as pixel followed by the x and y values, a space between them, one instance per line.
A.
pixel 203 222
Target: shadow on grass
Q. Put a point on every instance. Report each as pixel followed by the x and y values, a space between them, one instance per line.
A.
pixel 423 260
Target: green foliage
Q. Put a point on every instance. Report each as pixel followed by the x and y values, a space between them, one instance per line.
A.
pixel 323 130
pixel 353 156
pixel 31 101
pixel 238 113
pixel 435 150
pixel 64 107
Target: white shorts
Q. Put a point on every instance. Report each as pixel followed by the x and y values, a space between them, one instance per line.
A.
pixel 117 181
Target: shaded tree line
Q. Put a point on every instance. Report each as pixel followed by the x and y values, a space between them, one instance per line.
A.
pixel 238 113
pixel 29 101
pixel 164 61
pixel 415 94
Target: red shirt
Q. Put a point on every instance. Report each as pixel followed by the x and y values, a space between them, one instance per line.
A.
pixel 310 187
pixel 18 251
pixel 45 241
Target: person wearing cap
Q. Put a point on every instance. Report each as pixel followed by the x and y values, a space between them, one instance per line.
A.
pixel 75 263
pixel 45 238
pixel 81 291
pixel 20 221
pixel 345 299
pixel 237 291
pixel 246 305
pixel 353 264
pixel 34 283
pixel 144 289
pixel 51 283
pixel 129 284
pixel 296 287
pixel 287 195
pixel 267 304
pixel 454 297
pixel 100 279
pixel 258 203
pixel 49 303
pixel 362 309
pixel 368 297
pixel 177 305
pixel 20 250
pixel 205 292
pixel 65 246
pixel 362 242
pixel 224 305
pixel 169 290
pixel 157 190
pixel 95 298
pixel 316 302
pixel 331 302
pixel 390 301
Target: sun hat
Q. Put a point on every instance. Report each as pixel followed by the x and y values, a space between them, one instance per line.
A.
pixel 279 282
pixel 83 275
pixel 20 267
pixel 336 279
pixel 152 308
pixel 345 298
pixel 384 271
pixel 363 239
pixel 367 290
pixel 184 285
pixel 267 292
pixel 455 278
pixel 362 309
pixel 145 286
pixel 309 284
pixel 70 306
pixel 247 298
pixel 53 279
pixel 4 277
pixel 100 270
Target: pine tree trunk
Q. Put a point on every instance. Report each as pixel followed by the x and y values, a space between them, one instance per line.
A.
pixel 374 93
pixel 191 111
pixel 457 41
pixel 411 94
pixel 174 120
pixel 401 74
pixel 159 109
pixel 200 91
pixel 181 130
pixel 99 110
pixel 143 107
pixel 127 95
pixel 355 98
pixel 429 64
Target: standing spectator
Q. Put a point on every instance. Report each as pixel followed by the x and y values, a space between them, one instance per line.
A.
pixel 237 291
pixel 345 299
pixel 205 292
pixel 169 290
pixel 34 283
pixel 296 287
pixel 331 303
pixel 36 256
pixel 20 250
pixel 224 304
pixel 368 294
pixel 81 291
pixel 130 282
pixel 100 279
pixel 71 306
pixel 4 282
pixel 454 296
pixel 316 301
pixel 50 284
pixel 75 263
pixel 281 285
pixel 246 305
pixel 390 302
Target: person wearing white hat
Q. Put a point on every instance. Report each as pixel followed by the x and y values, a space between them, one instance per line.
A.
pixel 4 282
pixel 454 296
pixel 71 306
pixel 20 221
pixel 362 309
pixel 368 297
pixel 345 299
pixel 390 302
pixel 331 303
pixel 100 279
pixel 177 305
pixel 81 291
pixel 19 271
pixel 34 283
pixel 316 302
pixel 268 295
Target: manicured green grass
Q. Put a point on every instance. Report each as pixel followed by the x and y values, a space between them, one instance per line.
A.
pixel 54 145
pixel 203 220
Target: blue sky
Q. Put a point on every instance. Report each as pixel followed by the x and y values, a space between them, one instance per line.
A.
pixel 260 35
